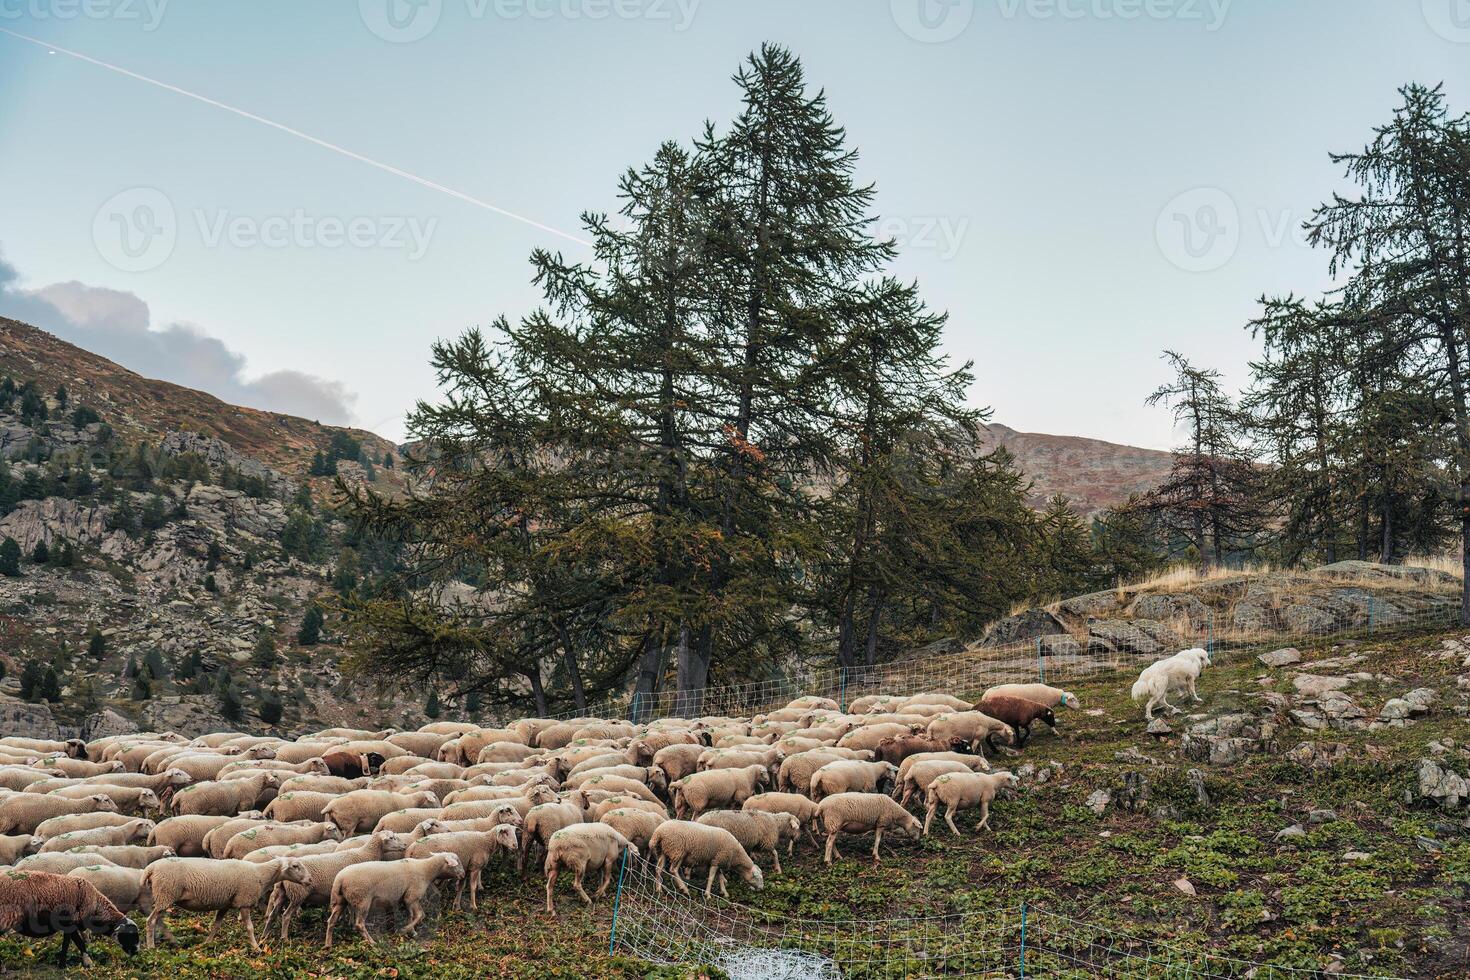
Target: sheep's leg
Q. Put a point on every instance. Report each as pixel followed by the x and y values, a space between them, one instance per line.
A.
pixel 248 918
pixel 984 823
pixel 709 883
pixel 362 928
pixel 776 856
pixel 577 884
pixel 475 882
pixel 949 818
pixel 721 879
pixel 658 875
pixel 877 839
pixel 831 846
pixel 332 920
pixel 606 880
pixel 80 940
pixel 150 932
pixel 61 953
pixel 214 926
pixel 550 888
pixel 929 812
pixel 415 916
pixel 1022 734
pixel 272 906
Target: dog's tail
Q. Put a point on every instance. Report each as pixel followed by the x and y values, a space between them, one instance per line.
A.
pixel 1140 689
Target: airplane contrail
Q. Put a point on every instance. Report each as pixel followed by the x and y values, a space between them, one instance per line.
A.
pixel 342 150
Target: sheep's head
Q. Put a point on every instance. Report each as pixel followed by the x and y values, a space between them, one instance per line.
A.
pixel 427 828
pixel 103 803
pixel 423 799
pixel 505 835
pixel 331 831
pixel 539 793
pixel 508 816
pixel 762 775
pixel 911 828
pixel 1069 700
pixel 262 751
pixel 751 874
pixel 1049 717
pixel 294 871
pixel 318 766
pixel 137 831
pixel 451 869
pixel 1006 735
pixel 658 780
pixel 125 932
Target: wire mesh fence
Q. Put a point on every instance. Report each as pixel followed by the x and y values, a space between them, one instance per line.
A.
pixel 1092 646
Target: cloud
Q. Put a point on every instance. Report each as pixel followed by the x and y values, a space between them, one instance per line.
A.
pixel 118 326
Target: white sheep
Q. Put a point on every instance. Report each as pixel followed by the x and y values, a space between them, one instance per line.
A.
pixel 863 813
pixel 757 831
pixel 681 844
pixel 186 834
pixel 17 846
pixel 582 848
pixel 362 887
pixel 916 781
pixel 1052 697
pixel 717 788
pixel 288 897
pixel 961 790
pixel 544 820
pixel 797 805
pixel 126 855
pixel 359 811
pixel 851 776
pixel 634 823
pixel 273 834
pixel 218 886
pixel 1180 671
pixel 474 849
pixel 24 813
pixel 132 832
pixel 123 886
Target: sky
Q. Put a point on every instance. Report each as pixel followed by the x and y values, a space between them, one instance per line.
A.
pixel 286 203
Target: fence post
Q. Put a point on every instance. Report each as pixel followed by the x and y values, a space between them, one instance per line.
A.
pixel 1040 663
pixel 612 939
pixel 633 708
pixel 842 693
pixel 1023 940
pixel 1210 641
pixel 1370 615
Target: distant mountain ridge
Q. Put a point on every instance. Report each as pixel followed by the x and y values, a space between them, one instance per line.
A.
pixel 1095 475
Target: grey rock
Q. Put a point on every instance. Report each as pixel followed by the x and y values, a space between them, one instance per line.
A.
pixel 27 720
pixel 1322 816
pixel 1307 619
pixel 1318 755
pixel 1197 784
pixel 1443 786
pixel 1021 627
pixel 1093 604
pixel 1170 606
pixel 1281 658
pixel 1316 685
pixel 1098 801
pixel 1217 750
pixel 1159 728
pixel 1125 637
pixel 1293 832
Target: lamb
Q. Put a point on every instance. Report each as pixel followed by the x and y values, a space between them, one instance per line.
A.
pixel 851 776
pixel 208 885
pixel 920 775
pixel 757 831
pixel 58 862
pixel 633 823
pixel 861 813
pixel 359 811
pixel 226 796
pixel 389 883
pixel 974 762
pixel 716 788
pixel 1052 697
pixel 403 821
pixel 24 812
pixel 185 834
pixel 1180 671
pixel 800 807
pixel 958 791
pixel 1019 713
pixel 970 728
pixel 299 806
pixel 582 848
pixel 678 761
pixel 126 855
pixel 132 832
pixel 122 885
pixel 474 850
pixel 38 904
pixel 13 848
pixel 679 844
pixel 544 820
pixel 273 834
pixel 129 799
pixel 288 897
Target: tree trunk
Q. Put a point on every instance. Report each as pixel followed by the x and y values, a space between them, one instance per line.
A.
pixel 1385 552
pixel 648 664
pixel 870 650
pixel 574 670
pixel 693 664
pixel 534 676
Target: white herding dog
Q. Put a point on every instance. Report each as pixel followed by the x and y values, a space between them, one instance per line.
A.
pixel 1178 672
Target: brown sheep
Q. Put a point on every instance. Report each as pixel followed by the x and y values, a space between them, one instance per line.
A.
pixel 897 748
pixel 1019 713
pixel 37 904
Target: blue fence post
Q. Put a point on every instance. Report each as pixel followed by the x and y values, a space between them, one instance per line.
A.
pixel 1023 939
pixel 842 693
pixel 633 708
pixel 612 939
pixel 1040 662
pixel 1210 640
pixel 1370 615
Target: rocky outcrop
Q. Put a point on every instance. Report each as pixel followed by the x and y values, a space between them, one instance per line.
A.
pixel 28 720
pixel 55 519
pixel 1443 787
pixel 218 453
pixel 1021 627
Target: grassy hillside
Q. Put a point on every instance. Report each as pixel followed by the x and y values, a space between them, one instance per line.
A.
pixel 1375 882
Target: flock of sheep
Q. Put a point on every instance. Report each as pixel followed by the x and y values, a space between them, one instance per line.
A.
pixel 359 821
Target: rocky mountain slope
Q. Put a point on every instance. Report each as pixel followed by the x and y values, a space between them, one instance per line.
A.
pixel 1093 474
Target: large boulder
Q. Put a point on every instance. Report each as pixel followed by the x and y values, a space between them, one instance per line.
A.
pixel 1022 627
pixel 28 720
pixel 1092 604
pixel 1170 606
pixel 1441 786
pixel 1125 637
